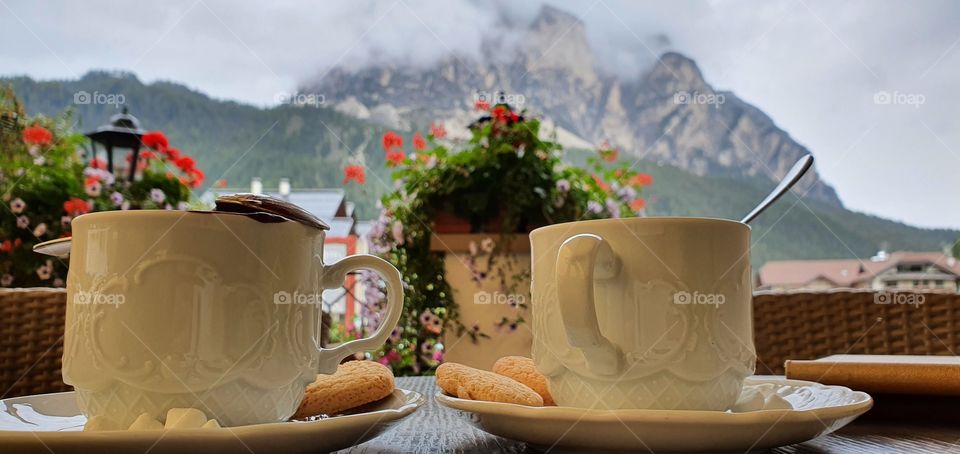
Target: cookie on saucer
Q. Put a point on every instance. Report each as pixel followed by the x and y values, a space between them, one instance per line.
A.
pixel 355 383
pixel 466 382
pixel 523 370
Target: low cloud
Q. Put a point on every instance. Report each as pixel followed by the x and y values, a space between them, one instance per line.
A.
pixel 814 66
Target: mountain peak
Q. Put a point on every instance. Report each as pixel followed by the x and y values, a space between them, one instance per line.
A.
pixel 557 40
pixel 550 16
pixel 677 71
pixel 668 112
pixel 677 60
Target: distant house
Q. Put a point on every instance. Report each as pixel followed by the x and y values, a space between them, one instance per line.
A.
pixel 332 207
pixel 899 270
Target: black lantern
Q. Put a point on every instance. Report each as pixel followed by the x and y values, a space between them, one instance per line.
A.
pixel 123 131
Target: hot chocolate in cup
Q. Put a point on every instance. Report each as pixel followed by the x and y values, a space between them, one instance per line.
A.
pixel 208 310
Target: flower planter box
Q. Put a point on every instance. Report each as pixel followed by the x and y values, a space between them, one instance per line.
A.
pixel 483 304
pixel 447 223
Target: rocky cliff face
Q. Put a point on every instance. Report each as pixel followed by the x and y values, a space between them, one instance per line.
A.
pixel 668 113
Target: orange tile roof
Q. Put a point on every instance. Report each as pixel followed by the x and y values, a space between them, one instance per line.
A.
pixel 846 272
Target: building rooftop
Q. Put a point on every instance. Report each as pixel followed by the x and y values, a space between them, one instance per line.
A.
pixel 847 272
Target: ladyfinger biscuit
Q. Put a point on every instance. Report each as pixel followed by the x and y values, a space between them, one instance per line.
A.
pixel 468 383
pixel 524 371
pixel 355 383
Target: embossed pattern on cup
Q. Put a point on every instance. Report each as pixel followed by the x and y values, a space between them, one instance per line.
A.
pixel 669 326
pixel 169 309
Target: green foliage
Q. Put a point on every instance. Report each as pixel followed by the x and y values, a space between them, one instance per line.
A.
pixel 312 145
pixel 231 141
pixel 44 185
pixel 35 180
pixel 505 180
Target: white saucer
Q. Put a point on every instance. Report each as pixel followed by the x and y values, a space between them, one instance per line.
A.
pixel 48 423
pixel 59 247
pixel 818 410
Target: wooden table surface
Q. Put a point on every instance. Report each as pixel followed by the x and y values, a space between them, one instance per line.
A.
pixel 434 428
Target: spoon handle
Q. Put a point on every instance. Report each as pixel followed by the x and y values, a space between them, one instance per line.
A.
pixel 791 178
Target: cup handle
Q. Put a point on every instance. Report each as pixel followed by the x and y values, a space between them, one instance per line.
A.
pixel 333 276
pixel 583 258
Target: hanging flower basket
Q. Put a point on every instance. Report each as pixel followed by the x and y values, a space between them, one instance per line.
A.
pixel 445 222
pixel 503 182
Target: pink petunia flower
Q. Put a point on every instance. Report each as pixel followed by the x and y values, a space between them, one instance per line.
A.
pixel 157 195
pixel 17 205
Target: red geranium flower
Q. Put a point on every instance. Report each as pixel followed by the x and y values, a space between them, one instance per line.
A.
pixel 600 183
pixel 392 140
pixel 395 157
pixel 76 207
pixel 500 113
pixel 355 173
pixel 172 154
pixel 185 163
pixel 156 140
pixel 6 246
pixel 609 154
pixel 419 143
pixel 196 177
pixel 642 179
pixel 438 131
pixel 192 181
pixel 98 163
pixel 89 181
pixel 638 204
pixel 37 135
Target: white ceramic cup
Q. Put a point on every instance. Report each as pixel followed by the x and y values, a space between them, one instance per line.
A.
pixel 215 311
pixel 651 313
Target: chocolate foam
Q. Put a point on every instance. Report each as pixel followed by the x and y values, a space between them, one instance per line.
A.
pixel 264 208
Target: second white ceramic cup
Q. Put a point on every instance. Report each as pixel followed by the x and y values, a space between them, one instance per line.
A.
pixel 651 313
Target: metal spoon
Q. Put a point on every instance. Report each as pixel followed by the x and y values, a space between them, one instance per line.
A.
pixel 791 178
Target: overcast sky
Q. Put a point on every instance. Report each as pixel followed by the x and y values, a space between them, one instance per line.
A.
pixel 814 66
